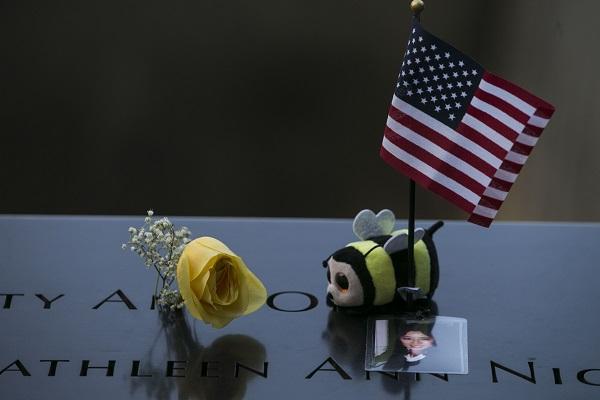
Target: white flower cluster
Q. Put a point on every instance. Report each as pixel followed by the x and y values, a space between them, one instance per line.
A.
pixel 171 298
pixel 160 245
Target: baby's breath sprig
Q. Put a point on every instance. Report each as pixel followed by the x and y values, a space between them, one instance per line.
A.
pixel 160 245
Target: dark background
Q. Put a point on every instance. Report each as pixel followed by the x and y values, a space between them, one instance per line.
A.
pixel 270 107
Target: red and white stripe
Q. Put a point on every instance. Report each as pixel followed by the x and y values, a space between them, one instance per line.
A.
pixel 474 165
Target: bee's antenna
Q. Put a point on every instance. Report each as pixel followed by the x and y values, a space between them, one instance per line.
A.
pixel 433 228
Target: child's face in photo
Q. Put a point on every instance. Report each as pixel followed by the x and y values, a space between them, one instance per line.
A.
pixel 416 341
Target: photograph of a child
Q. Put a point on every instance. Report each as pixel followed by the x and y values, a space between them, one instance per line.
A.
pixel 431 345
pixel 416 339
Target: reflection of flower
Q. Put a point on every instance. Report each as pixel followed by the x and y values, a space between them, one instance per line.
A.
pixel 215 284
pixel 183 344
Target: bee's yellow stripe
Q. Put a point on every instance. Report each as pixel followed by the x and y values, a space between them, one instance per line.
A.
pixel 423 269
pixel 381 270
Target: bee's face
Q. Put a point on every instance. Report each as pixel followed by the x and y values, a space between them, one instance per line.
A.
pixel 344 286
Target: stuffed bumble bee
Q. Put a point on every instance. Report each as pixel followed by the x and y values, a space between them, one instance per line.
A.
pixel 367 273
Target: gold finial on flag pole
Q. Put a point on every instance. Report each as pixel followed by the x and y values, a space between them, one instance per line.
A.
pixel 417 6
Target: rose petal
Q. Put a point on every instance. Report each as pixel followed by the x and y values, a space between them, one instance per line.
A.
pixel 256 290
pixel 227 282
pixel 239 306
pixel 215 245
pixel 198 285
pixel 218 321
pixel 202 256
pixel 192 302
pixel 216 284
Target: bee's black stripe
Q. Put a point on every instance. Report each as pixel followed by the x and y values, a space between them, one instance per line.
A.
pixel 400 262
pixel 355 258
pixel 380 240
pixel 371 249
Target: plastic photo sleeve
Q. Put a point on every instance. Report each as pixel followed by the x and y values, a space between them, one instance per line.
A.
pixel 428 345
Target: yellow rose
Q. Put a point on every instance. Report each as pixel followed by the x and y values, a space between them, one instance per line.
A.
pixel 215 284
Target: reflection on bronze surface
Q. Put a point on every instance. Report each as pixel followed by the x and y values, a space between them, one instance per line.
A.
pixel 346 337
pixel 218 381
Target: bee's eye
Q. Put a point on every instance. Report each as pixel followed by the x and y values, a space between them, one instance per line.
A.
pixel 325 265
pixel 328 276
pixel 341 281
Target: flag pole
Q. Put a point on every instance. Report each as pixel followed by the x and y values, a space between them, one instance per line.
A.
pixel 417 7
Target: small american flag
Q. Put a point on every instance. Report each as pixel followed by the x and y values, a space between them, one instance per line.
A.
pixel 459 130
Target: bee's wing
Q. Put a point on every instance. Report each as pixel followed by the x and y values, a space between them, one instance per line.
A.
pixel 400 242
pixel 367 224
